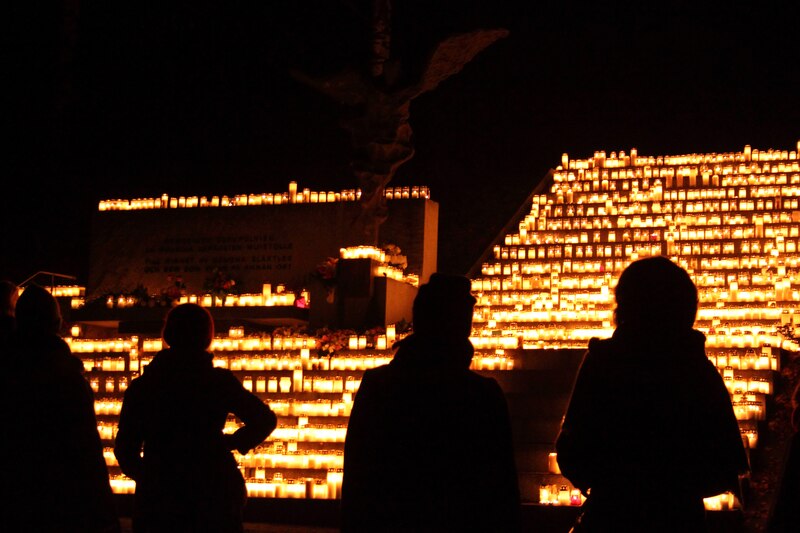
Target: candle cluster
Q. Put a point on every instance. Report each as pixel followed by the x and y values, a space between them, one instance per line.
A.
pixel 729 219
pixel 267 298
pixel 67 291
pixel 383 267
pixel 732 220
pixel 293 196
pixel 311 392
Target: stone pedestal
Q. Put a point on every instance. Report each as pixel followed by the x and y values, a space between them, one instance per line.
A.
pixel 360 299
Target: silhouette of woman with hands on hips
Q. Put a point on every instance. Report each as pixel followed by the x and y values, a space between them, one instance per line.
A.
pixel 170 438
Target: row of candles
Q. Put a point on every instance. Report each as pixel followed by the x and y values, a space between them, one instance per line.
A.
pixel 278 362
pixel 285 299
pixel 707 206
pixel 773 182
pixel 715 241
pixel 747 155
pixel 276 487
pixel 591 200
pixel 329 488
pixel 293 196
pixel 528 288
pixel 661 209
pixel 764 359
pixel 745 384
pixel 551 265
pixel 289 456
pixel 321 407
pixel 566 236
pixel 301 383
pixel 235 342
pixel 527 332
pixel 605 198
pixel 742 287
pixel 699 242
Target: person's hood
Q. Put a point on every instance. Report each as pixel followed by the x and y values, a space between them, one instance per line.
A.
pixel 431 351
pixel 673 341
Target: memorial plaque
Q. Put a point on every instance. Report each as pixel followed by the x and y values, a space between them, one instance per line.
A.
pixel 252 245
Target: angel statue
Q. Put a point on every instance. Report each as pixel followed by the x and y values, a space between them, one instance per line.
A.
pixel 377 101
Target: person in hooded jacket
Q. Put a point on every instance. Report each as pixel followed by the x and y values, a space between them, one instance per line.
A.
pixel 650 430
pixel 170 438
pixel 53 475
pixel 428 444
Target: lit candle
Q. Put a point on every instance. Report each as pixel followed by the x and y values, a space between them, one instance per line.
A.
pixel 544 494
pixel 552 463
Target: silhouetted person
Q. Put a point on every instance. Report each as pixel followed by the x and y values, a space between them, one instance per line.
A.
pixel 187 478
pixel 429 442
pixel 650 429
pixel 54 477
pixel 8 301
pixel 785 516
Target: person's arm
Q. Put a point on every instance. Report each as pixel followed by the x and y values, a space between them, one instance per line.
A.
pixel 719 438
pixel 575 445
pixel 130 434
pixel 360 498
pixel 89 471
pixel 259 420
pixel 506 490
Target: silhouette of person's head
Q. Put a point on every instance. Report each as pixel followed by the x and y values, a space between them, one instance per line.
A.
pixel 443 307
pixel 188 326
pixel 37 311
pixel 655 294
pixel 8 298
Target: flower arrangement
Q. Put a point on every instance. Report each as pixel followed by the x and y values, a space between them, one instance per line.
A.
pixel 395 257
pixel 290 331
pixel 219 284
pixel 373 333
pixel 174 290
pixel 331 341
pixel 326 271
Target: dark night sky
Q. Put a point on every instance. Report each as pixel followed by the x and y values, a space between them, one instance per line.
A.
pixel 196 98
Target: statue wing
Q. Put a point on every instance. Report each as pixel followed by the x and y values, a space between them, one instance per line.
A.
pixel 450 56
pixel 347 87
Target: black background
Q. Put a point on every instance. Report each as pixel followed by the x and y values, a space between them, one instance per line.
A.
pixel 139 98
